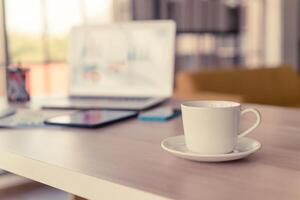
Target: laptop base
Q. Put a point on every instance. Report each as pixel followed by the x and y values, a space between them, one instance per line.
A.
pixel 111 103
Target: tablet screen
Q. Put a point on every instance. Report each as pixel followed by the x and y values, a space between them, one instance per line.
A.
pixel 91 118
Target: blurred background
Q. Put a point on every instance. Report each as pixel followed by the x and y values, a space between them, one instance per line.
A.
pixel 242 50
pixel 210 33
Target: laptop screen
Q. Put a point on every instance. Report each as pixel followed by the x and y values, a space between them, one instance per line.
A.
pixel 125 59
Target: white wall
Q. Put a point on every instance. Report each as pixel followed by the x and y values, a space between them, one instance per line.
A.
pixel 282 32
pixel 253 40
pixel 271 34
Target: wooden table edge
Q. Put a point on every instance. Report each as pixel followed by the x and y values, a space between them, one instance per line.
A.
pixel 70 181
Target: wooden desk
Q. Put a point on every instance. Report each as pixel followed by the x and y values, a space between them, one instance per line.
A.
pixel 125 161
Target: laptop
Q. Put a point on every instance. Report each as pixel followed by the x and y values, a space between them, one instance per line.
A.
pixel 123 66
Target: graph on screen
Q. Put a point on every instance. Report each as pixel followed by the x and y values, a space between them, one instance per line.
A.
pixel 125 58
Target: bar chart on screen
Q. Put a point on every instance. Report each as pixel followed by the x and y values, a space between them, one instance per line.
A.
pixel 113 58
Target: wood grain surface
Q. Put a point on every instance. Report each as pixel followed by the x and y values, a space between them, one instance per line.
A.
pixel 129 154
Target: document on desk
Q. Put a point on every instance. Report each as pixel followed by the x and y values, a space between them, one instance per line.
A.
pixel 6 112
pixel 24 119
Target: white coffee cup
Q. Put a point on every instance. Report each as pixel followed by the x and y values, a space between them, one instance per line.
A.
pixel 212 127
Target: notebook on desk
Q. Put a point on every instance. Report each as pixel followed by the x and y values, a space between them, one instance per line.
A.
pixel 125 66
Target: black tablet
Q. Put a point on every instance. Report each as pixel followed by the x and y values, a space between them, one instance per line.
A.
pixel 90 118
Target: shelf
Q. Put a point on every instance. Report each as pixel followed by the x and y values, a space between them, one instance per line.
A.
pixel 214 32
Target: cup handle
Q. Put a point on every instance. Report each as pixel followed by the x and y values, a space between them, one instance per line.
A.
pixel 255 125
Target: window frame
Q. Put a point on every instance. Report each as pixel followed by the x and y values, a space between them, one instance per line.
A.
pixel 4 55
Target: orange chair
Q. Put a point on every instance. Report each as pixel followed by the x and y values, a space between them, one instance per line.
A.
pixel 273 86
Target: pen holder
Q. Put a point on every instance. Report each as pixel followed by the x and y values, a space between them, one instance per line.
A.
pixel 17 79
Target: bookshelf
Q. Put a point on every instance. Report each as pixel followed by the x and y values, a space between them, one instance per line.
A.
pixel 216 18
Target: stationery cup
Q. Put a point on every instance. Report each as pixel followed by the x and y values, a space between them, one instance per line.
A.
pixel 212 127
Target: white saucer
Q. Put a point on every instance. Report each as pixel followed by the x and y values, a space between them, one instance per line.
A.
pixel 176 146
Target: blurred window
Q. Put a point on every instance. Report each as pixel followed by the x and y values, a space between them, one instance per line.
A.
pixel 38 29
pixel 38 35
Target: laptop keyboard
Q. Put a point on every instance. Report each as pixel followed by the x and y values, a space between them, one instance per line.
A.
pixel 114 98
pixel 122 103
